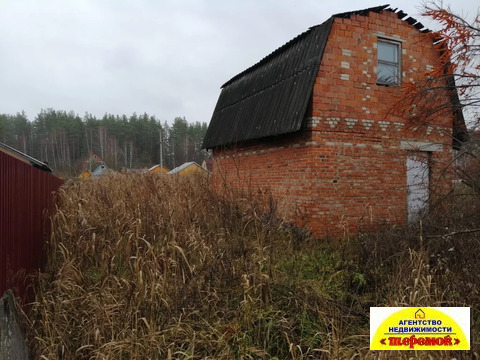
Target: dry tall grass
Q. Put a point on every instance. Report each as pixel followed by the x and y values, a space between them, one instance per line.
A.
pixel 155 267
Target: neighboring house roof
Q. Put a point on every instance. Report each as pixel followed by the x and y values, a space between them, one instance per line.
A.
pixel 271 97
pixel 159 168
pixel 91 159
pixel 25 158
pixel 187 167
pixel 99 170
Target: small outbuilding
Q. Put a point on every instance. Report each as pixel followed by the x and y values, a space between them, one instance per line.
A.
pixel 27 187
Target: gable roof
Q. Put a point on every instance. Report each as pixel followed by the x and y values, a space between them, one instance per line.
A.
pixel 24 157
pixel 99 170
pixel 271 97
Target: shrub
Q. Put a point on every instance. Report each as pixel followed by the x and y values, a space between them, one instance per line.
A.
pixel 150 266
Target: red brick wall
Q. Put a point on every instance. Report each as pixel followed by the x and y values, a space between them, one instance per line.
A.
pixel 346 172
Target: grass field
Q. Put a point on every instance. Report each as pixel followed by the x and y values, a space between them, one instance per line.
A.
pixel 156 267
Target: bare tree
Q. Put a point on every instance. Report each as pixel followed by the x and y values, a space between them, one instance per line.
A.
pixel 452 85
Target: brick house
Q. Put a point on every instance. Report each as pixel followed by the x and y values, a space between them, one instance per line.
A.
pixel 311 123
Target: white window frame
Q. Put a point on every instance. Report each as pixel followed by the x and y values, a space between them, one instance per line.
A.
pixel 396 64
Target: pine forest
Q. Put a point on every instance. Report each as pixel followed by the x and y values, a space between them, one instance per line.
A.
pixel 65 140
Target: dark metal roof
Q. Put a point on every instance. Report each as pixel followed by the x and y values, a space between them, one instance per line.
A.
pixel 363 12
pixel 24 157
pixel 271 97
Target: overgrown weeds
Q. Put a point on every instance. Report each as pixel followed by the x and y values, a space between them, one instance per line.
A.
pixel 148 266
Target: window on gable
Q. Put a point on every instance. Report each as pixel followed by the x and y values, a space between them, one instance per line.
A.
pixel 388 66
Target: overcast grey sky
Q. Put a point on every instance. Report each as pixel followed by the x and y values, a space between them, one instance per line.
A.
pixel 167 58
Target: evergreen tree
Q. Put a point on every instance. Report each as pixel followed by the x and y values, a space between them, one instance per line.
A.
pixel 65 140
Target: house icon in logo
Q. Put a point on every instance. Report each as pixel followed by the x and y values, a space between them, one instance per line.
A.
pixel 419 314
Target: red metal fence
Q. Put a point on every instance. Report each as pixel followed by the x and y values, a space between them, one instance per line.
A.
pixel 25 196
